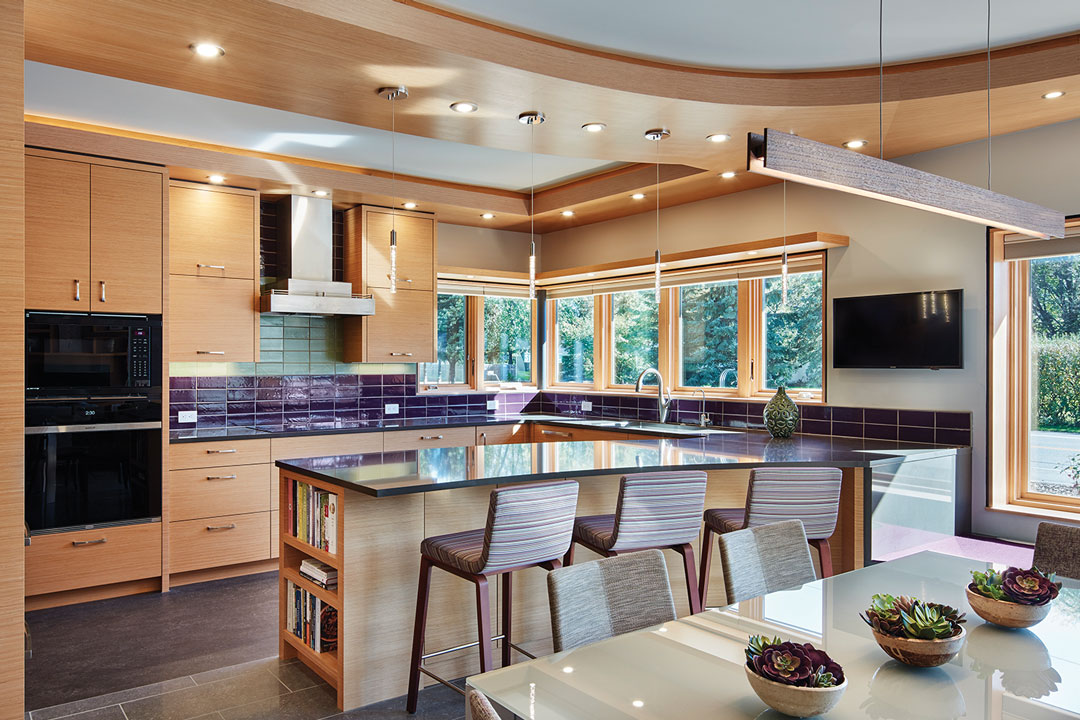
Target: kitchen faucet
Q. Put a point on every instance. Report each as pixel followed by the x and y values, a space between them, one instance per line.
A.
pixel 663 407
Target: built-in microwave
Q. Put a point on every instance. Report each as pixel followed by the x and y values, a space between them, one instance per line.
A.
pixel 82 355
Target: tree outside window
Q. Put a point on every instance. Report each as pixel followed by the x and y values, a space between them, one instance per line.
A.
pixel 507 339
pixel 450 343
pixel 792 336
pixel 574 330
pixel 709 334
pixel 635 330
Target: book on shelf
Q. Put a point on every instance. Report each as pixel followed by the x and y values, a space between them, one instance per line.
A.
pixel 310 619
pixel 318 572
pixel 313 516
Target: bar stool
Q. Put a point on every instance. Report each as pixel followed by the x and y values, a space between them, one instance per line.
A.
pixel 527 526
pixel 777 494
pixel 655 511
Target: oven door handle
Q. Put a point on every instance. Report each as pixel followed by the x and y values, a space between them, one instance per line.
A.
pixel 101 427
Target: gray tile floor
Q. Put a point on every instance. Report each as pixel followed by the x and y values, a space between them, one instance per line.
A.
pixel 261 690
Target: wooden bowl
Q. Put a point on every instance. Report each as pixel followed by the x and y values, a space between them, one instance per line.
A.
pixel 796 701
pixel 1006 614
pixel 921 653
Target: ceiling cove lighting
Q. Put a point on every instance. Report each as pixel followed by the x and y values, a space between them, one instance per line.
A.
pixel 1053 94
pixel 532 119
pixel 568 213
pixel 463 106
pixel 393 94
pixel 321 193
pixel 207 50
pixel 727 174
pixel 593 127
pixel 789 157
pixel 855 144
pixel 488 216
pixel 216 179
pixel 718 137
pixel 637 196
pixel 409 205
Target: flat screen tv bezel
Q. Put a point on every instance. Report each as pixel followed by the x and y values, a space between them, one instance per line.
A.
pixel 960 339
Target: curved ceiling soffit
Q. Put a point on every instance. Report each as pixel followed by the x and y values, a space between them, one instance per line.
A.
pixel 452 33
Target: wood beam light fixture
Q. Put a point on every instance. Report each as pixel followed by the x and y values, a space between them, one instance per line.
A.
pixel 790 157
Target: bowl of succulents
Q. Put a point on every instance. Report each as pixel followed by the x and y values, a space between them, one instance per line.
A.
pixel 917 633
pixel 1015 598
pixel 792 678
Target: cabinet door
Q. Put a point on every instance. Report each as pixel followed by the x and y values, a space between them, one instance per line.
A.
pixel 57 234
pixel 415 250
pixel 402 330
pixel 125 239
pixel 212 320
pixel 212 233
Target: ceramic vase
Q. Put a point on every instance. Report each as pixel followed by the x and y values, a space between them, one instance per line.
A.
pixel 800 702
pixel 781 415
pixel 1006 614
pixel 921 653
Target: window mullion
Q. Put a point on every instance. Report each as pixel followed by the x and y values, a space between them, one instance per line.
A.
pixel 748 321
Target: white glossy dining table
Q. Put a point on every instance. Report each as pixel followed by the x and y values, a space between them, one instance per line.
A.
pixel 692 668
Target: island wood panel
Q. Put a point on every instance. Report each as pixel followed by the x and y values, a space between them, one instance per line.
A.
pixel 275 530
pixel 210 492
pixel 212 320
pixel 109 555
pixel 218 453
pixel 213 231
pixel 57 234
pixel 222 540
pixel 126 231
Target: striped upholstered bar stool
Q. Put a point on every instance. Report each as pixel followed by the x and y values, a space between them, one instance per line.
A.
pixel 527 526
pixel 655 511
pixel 811 495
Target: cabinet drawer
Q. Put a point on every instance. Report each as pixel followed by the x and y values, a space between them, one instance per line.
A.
pixel 558 433
pixel 320 445
pixel 218 453
pixel 212 232
pixel 67 561
pixel 206 492
pixel 432 437
pixel 212 319
pixel 502 434
pixel 225 540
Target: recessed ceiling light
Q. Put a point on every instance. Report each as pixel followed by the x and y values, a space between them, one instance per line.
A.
pixel 638 196
pixel 568 669
pixel 409 205
pixel 568 213
pixel 488 216
pixel 638 703
pixel 463 106
pixel 855 144
pixel 321 193
pixel 718 137
pixel 207 50
pixel 1053 94
pixel 216 179
pixel 727 174
pixel 593 127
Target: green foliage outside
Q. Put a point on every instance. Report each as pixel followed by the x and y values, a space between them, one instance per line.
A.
pixel 507 339
pixel 574 343
pixel 710 334
pixel 450 332
pixel 793 336
pixel 1055 342
pixel 636 330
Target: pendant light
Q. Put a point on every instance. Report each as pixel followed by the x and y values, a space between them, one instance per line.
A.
pixel 532 119
pixel 783 260
pixel 393 94
pixel 656 135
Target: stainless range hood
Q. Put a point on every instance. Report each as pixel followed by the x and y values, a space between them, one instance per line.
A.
pixel 306 264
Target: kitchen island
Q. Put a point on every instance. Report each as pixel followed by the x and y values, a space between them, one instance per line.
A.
pixel 388 502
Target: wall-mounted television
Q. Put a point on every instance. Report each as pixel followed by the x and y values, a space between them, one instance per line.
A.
pixel 904 330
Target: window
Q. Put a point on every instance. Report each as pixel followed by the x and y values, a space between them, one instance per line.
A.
pixel 451 343
pixel 709 335
pixel 574 331
pixel 791 337
pixel 507 339
pixel 635 332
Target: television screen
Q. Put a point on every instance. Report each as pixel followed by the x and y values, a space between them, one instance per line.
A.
pixel 906 330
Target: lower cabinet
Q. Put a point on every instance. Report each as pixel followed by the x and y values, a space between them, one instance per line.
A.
pixel 428 438
pixel 561 433
pixel 73 560
pixel 502 434
pixel 220 540
pixel 207 492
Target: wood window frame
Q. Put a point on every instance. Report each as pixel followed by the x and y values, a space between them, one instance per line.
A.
pixel 480 383
pixel 552 356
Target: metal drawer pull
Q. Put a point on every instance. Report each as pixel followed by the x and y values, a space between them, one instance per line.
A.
pixel 80 543
pixel 102 291
pixel 220 477
pixel 556 432
pixel 77 293
pixel 230 526
pixel 209 352
pixel 215 267
pixel 431 437
pixel 397 354
pixel 220 452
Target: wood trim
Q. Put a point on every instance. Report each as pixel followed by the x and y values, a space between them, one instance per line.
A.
pixel 225 571
pixel 90 594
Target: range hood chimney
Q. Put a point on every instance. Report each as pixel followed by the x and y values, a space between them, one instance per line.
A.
pixel 305 282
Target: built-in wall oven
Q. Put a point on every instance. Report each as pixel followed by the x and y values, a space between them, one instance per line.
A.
pixel 93 420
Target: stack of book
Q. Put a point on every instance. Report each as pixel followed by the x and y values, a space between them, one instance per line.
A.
pixel 310 619
pixel 313 514
pixel 319 573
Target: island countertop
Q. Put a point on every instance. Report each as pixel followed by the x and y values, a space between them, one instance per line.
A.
pixel 417 471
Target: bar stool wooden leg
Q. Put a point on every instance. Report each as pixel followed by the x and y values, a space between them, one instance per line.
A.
pixel 507 606
pixel 483 622
pixel 706 565
pixel 687 552
pixel 824 555
pixel 419 628
pixel 568 559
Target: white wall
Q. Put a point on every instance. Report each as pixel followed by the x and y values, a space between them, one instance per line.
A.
pixel 893 249
pixel 484 248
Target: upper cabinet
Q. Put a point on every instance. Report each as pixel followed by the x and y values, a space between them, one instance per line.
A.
pixel 415 249
pixel 212 231
pixel 94 232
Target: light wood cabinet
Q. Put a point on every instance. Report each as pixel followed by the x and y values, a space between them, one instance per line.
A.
pixel 210 492
pixel 304 446
pixel 213 231
pixel 430 438
pixel 72 560
pixel 402 330
pixel 212 320
pixel 57 234
pixel 502 434
pixel 126 227
pixel 222 540
pixel 561 433
pixel 415 249
pixel 219 453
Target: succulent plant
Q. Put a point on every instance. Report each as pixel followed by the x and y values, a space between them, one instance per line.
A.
pixel 1024 587
pixel 791 663
pixel 912 618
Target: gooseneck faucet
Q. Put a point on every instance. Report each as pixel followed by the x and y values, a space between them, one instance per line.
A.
pixel 663 407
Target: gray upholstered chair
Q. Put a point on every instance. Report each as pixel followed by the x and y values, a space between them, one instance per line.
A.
pixel 1057 549
pixel 764 559
pixel 481 706
pixel 604 598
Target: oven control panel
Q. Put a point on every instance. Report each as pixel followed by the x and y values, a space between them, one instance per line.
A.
pixel 140 354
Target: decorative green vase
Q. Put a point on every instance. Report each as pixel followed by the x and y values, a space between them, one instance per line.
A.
pixel 781 415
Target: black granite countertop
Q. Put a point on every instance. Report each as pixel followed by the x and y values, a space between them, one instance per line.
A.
pixel 416 471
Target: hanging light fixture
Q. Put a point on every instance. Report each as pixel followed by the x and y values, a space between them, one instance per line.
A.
pixel 532 119
pixel 656 135
pixel 393 94
pixel 783 260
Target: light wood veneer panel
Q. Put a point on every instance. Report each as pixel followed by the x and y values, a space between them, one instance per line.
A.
pixel 212 227
pixel 57 234
pixel 502 434
pixel 415 249
pixel 194 545
pixel 219 453
pixel 131 552
pixel 212 320
pixel 319 445
pixel 428 438
pixel 402 328
pixel 208 492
